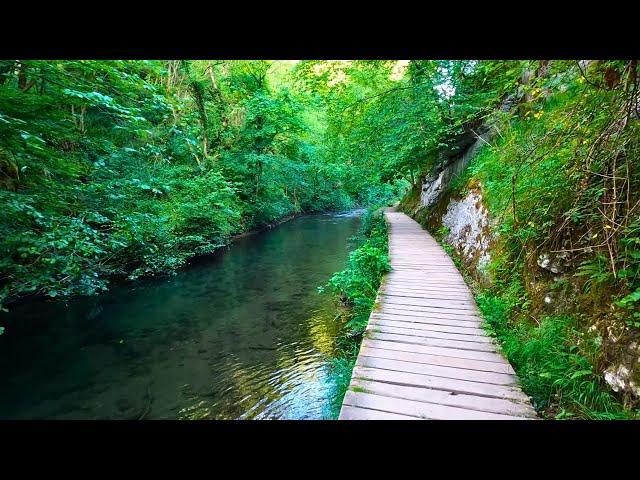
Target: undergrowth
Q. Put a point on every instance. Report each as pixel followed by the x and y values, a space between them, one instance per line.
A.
pixel 560 178
pixel 550 356
pixel 356 287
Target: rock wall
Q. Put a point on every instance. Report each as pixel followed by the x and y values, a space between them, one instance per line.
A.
pixel 437 183
pixel 465 217
pixel 469 230
pixel 467 220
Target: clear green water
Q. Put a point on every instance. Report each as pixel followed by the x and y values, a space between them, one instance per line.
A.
pixel 241 334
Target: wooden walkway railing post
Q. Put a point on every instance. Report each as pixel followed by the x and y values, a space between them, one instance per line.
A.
pixel 424 354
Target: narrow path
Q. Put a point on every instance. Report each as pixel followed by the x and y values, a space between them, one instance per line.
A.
pixel 424 354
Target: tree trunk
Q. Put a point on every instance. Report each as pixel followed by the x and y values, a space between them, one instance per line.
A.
pixel 22 78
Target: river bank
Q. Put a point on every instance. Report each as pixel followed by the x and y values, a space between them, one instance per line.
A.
pixel 123 277
pixel 240 334
pixel 356 288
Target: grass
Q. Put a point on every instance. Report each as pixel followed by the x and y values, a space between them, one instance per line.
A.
pixel 541 198
pixel 358 389
pixel 356 287
pixel 549 358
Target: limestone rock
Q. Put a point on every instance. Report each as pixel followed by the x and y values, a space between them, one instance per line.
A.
pixel 554 264
pixel 454 162
pixel 468 224
pixel 622 377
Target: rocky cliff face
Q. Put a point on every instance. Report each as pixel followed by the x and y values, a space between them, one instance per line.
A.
pixel 467 221
pixel 463 219
pixel 455 161
pixel 437 183
pixel 464 216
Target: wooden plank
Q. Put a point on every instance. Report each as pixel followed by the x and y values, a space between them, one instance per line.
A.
pixel 392 289
pixel 433 342
pixel 354 413
pixel 430 265
pixel 414 332
pixel 427 281
pixel 403 316
pixel 381 350
pixel 430 349
pixel 404 287
pixel 453 285
pixel 407 323
pixel 421 275
pixel 442 304
pixel 411 291
pixel 450 284
pixel 439 383
pixel 426 311
pixel 465 331
pixel 438 300
pixel 451 351
pixel 421 271
pixel 471 402
pixel 364 360
pixel 426 285
pixel 412 408
pixel 442 273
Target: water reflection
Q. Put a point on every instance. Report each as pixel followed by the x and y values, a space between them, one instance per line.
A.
pixel 243 334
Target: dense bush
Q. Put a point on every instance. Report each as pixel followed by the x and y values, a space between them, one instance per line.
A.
pixel 562 177
pixel 130 168
pixel 357 285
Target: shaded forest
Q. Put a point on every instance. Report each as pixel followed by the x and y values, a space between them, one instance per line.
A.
pixel 123 169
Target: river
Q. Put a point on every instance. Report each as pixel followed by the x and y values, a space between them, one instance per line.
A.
pixel 240 334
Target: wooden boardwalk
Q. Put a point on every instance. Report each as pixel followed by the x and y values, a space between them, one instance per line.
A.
pixel 424 354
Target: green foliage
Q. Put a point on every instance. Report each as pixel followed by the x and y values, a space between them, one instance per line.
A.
pixel 549 177
pixel 357 285
pixel 630 274
pixel 442 233
pixel 560 176
pixel 551 366
pixel 130 168
pixel 341 368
